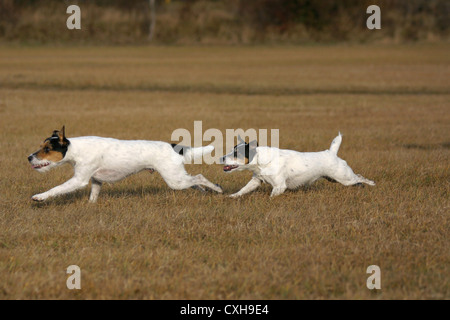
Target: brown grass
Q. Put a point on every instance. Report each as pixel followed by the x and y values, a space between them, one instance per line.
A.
pixel 143 240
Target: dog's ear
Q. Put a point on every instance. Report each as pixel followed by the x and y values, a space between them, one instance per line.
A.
pixel 252 150
pixel 253 144
pixel 62 136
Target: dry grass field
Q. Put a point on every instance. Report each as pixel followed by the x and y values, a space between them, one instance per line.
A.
pixel 145 241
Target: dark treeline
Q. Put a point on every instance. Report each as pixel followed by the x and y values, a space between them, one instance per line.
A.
pixel 224 21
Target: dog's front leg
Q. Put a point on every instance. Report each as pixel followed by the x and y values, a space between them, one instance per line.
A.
pixel 95 190
pixel 253 184
pixel 69 186
pixel 277 190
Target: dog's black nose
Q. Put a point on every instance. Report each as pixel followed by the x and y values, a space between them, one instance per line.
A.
pixel 30 158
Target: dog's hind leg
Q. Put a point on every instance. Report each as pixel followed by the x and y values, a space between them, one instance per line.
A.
pixel 177 178
pixel 356 179
pixel 197 187
pixel 200 180
pixel 345 175
pixel 364 180
pixel 95 190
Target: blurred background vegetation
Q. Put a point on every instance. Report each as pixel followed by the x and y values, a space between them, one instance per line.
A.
pixel 223 21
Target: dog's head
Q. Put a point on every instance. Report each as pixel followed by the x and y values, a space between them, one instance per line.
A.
pixel 242 155
pixel 51 151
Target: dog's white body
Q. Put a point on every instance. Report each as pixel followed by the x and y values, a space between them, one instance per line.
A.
pixel 102 160
pixel 288 169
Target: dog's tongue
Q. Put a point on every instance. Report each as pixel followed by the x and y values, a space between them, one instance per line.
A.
pixel 229 168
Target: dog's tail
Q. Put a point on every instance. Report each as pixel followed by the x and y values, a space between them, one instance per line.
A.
pixel 334 148
pixel 190 154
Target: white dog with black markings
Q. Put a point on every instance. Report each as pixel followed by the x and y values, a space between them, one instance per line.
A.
pixel 102 160
pixel 288 169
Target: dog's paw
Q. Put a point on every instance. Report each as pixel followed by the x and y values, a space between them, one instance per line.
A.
pixel 234 195
pixel 219 188
pixel 39 197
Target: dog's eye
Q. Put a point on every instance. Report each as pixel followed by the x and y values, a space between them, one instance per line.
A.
pixel 46 149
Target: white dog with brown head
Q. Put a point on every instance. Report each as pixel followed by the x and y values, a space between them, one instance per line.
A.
pixel 102 160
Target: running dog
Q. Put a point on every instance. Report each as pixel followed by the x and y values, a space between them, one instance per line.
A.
pixel 102 160
pixel 288 169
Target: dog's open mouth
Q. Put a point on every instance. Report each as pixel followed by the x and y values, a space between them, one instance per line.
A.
pixel 229 168
pixel 39 166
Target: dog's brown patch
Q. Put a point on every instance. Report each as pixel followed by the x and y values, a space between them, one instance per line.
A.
pixel 46 152
pixel 245 151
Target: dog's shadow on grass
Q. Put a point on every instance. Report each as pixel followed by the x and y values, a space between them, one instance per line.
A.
pixel 266 190
pixel 141 192
pixel 117 193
